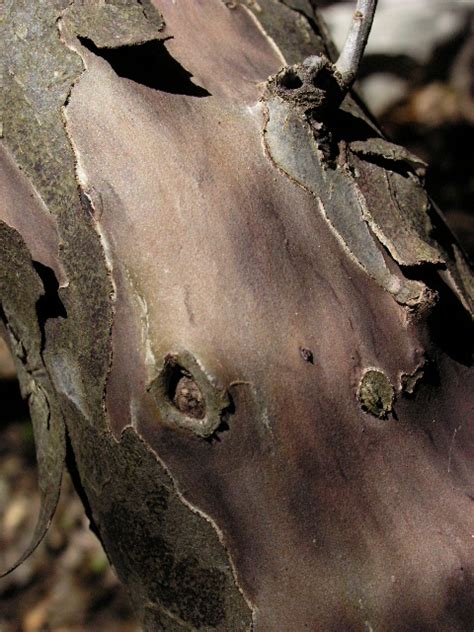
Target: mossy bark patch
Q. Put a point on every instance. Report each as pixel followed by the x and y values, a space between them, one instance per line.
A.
pixel 115 23
pixel 169 556
pixel 376 393
pixel 40 70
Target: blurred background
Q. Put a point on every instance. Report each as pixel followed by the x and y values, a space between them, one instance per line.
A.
pixel 418 79
pixel 67 585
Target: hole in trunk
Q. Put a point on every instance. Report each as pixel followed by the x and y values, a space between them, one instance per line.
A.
pixel 290 80
pixel 184 393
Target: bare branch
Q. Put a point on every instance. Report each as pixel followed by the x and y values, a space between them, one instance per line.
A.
pixel 351 54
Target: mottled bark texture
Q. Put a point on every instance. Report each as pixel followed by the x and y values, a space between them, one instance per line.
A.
pixel 238 319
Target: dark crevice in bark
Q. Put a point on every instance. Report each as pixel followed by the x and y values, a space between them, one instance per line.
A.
pixel 49 305
pixel 450 324
pixel 429 376
pixel 223 426
pixel 149 64
pixel 71 466
pixel 14 407
pixel 452 327
pixel 348 127
pixel 338 129
pixel 401 167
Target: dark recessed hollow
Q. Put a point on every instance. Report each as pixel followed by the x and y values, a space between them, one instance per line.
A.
pixel 290 80
pixel 183 392
pixel 324 80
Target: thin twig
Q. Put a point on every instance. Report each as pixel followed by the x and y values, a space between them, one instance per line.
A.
pixel 353 50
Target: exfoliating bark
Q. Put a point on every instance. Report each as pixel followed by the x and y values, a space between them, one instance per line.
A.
pixel 256 334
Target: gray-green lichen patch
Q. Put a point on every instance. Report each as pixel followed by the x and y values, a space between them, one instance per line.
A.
pixel 396 204
pixel 303 156
pixel 409 381
pixel 39 72
pixel 369 190
pixel 170 556
pixel 376 393
pixel 114 23
pixel 289 24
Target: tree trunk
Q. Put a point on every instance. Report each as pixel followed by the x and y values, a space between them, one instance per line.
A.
pixel 238 319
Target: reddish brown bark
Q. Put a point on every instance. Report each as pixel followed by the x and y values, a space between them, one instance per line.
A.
pixel 219 228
